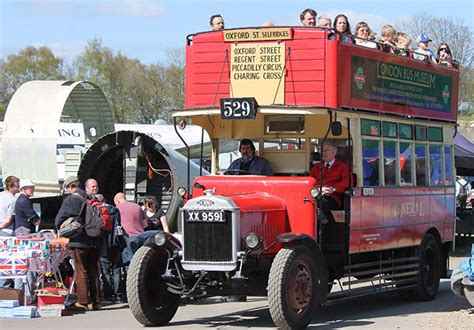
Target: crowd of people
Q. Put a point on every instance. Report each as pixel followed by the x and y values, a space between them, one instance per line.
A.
pixel 390 40
pixel 100 263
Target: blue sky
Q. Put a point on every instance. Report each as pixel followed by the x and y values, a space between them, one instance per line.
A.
pixel 145 29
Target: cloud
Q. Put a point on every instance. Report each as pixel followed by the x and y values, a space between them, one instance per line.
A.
pixel 124 8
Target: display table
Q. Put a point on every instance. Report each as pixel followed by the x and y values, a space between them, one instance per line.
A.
pixel 31 258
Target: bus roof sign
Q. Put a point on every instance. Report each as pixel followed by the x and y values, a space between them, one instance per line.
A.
pixel 265 34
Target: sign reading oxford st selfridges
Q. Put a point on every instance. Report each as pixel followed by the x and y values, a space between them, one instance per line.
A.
pixel 258 70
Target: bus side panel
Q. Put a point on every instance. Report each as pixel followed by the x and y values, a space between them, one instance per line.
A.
pixel 391 220
pixel 356 207
pixel 448 234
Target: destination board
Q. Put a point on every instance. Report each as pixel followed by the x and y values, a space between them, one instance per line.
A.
pixel 243 35
pixel 258 70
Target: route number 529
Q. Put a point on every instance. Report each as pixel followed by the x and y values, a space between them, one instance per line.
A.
pixel 238 108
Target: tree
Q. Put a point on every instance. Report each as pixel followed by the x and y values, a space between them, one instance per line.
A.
pixel 136 92
pixel 30 63
pixel 459 38
pixel 175 79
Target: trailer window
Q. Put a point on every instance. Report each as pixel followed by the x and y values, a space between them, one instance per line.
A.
pixel 436 165
pixel 406 176
pixel 390 162
pixel 421 164
pixel 370 162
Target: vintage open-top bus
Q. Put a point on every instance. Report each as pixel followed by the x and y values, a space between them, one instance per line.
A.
pixel 290 89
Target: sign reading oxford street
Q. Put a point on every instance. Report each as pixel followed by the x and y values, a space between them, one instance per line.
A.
pixel 258 70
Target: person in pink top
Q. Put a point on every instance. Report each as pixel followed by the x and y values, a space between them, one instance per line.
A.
pixel 131 215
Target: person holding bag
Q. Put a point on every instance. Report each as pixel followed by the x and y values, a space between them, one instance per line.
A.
pixel 84 249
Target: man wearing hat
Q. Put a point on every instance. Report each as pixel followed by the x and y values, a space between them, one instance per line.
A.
pixel 84 249
pixel 423 53
pixel 26 218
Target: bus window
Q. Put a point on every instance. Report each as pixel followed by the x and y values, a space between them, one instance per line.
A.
pixel 406 176
pixel 390 162
pixel 370 162
pixel 420 161
pixel 436 165
pixel 448 158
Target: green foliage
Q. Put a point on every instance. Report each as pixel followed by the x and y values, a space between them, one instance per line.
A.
pixel 136 92
pixel 30 63
pixel 457 35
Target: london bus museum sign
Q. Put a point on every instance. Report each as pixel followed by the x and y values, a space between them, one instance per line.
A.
pixel 383 82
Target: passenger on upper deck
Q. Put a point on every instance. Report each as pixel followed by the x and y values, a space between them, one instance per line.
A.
pixel 341 25
pixel 216 22
pixel 423 53
pixel 308 17
pixel 335 180
pixel 362 31
pixel 387 37
pixel 444 55
pixel 268 23
pixel 249 163
pixel 403 44
pixel 324 21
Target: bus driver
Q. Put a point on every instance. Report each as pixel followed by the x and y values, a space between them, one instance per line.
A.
pixel 250 163
pixel 335 174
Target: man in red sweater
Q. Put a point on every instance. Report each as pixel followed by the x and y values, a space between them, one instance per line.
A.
pixel 335 180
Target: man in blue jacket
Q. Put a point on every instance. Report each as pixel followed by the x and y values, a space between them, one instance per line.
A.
pixel 249 163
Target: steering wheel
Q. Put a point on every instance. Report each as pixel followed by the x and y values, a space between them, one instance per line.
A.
pixel 236 172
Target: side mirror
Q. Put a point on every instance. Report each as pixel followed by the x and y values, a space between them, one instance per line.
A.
pixel 336 128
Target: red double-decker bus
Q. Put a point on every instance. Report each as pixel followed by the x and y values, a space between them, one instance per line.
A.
pixel 290 90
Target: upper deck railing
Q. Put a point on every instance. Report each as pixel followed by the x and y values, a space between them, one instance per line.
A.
pixel 299 66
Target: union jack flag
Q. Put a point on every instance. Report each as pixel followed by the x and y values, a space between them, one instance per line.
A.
pixel 13 266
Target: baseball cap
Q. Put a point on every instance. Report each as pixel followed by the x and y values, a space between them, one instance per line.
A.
pixel 423 38
pixel 70 180
pixel 26 183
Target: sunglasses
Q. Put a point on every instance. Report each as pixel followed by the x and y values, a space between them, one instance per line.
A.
pixel 445 49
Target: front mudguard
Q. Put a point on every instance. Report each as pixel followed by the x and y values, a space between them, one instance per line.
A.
pixel 288 239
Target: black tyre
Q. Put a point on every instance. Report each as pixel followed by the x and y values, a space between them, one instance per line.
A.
pixel 150 302
pixel 430 269
pixel 292 288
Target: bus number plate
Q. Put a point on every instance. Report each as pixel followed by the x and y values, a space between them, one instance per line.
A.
pixel 205 216
pixel 238 108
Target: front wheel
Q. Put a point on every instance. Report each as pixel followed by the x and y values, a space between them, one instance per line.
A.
pixel 150 302
pixel 292 286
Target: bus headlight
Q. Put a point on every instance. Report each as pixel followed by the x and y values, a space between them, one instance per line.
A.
pixel 160 238
pixel 252 241
pixel 181 191
pixel 314 192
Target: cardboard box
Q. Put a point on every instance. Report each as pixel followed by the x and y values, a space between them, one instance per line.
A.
pixel 13 294
pixel 51 296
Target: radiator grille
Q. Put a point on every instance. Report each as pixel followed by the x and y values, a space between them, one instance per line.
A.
pixel 208 241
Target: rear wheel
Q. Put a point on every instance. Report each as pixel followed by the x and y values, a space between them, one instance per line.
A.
pixel 429 271
pixel 292 288
pixel 150 302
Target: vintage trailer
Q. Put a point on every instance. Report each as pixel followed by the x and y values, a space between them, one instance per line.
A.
pixel 290 89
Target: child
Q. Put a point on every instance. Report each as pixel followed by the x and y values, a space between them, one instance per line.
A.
pixel 423 52
pixel 388 39
pixel 403 44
